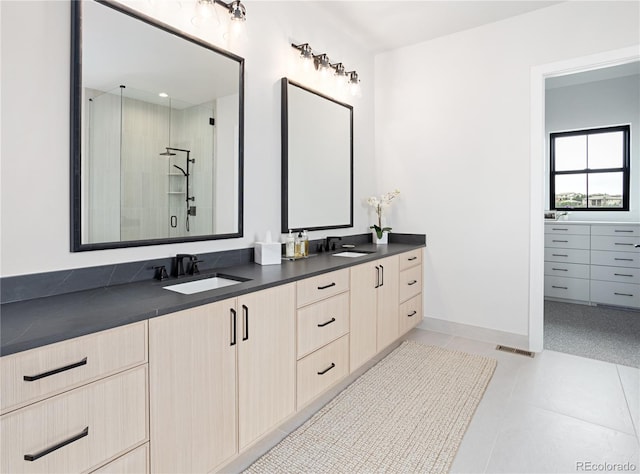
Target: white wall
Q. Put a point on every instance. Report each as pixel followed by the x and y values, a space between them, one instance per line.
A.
pixel 453 131
pixel 35 133
pixel 592 105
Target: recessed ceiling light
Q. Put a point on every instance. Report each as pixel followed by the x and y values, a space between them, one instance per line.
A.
pixel 163 94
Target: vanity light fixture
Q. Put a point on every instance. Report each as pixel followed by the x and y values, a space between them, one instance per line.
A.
pixel 236 9
pixel 323 65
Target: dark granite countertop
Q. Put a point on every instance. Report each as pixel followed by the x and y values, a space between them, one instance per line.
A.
pixel 41 321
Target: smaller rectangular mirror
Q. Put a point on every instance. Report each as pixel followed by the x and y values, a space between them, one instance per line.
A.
pixel 317 160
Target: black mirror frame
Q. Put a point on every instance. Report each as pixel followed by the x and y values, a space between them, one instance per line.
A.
pixel 76 133
pixel 284 217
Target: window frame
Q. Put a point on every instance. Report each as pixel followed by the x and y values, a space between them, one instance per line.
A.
pixel 625 168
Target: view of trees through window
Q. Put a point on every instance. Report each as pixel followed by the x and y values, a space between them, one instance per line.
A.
pixel 590 169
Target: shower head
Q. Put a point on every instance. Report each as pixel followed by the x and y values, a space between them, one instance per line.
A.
pixel 167 153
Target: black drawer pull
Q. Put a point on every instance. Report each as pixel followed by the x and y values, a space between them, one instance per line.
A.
pixel 559 287
pixel 381 275
pixel 412 314
pixel 33 457
pixel 619 230
pixel 558 255
pixel 31 378
pixel 327 369
pixel 327 286
pixel 412 282
pixel 233 327
pixel 412 258
pixel 623 275
pixel 377 277
pixel 621 243
pixel 624 259
pixel 558 228
pixel 245 310
pixel 621 294
pixel 560 269
pixel 321 325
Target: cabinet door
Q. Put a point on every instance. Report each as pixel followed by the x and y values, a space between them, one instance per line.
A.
pixel 266 360
pixel 388 294
pixel 192 364
pixel 363 317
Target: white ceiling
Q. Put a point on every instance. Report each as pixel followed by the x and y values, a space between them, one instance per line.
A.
pixel 384 25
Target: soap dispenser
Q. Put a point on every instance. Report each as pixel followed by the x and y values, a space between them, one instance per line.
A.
pixel 299 246
pixel 305 243
pixel 290 246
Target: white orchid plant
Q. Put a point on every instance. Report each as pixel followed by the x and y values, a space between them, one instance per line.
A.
pixel 379 204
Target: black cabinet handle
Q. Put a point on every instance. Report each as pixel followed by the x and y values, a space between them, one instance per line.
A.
pixel 622 275
pixel 559 255
pixel 321 325
pixel 382 275
pixel 412 258
pixel 327 286
pixel 622 294
pixel 377 277
pixel 327 369
pixel 558 228
pixel 560 287
pixel 621 243
pixel 412 282
pixel 44 452
pixel 618 230
pixel 31 378
pixel 624 259
pixel 560 269
pixel 560 241
pixel 233 327
pixel 412 314
pixel 245 326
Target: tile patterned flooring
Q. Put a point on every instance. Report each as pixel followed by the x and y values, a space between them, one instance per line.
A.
pixel 555 413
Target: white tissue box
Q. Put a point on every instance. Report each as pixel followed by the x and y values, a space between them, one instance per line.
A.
pixel 268 253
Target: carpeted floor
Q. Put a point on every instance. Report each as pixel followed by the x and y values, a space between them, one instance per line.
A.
pixel 596 332
pixel 408 413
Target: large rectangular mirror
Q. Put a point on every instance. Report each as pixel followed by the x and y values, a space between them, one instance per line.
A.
pixel 157 132
pixel 317 160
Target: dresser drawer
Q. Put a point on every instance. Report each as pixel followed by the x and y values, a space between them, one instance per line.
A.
pixel 566 255
pixel 322 322
pixel 615 243
pixel 620 274
pixel 571 270
pixel 410 314
pixel 410 259
pixel 568 288
pixel 322 286
pixel 134 462
pixel 321 369
pixel 564 229
pixel 567 241
pixel 616 230
pixel 29 376
pixel 619 294
pixel 89 425
pixel 615 259
pixel 410 283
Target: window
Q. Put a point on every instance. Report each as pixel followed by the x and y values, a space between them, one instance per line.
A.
pixel 590 169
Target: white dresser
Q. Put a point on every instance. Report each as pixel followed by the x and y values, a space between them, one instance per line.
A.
pixel 596 263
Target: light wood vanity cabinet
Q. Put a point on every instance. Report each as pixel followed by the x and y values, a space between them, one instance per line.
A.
pixel 220 373
pixel 374 308
pixel 83 402
pixel 410 293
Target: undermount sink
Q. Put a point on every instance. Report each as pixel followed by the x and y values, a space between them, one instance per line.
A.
pixel 351 254
pixel 204 284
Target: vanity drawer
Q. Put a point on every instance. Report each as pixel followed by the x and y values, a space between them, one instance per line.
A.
pixel 566 255
pixel 616 230
pixel 564 229
pixel 322 322
pixel 410 283
pixel 64 365
pixel 615 243
pixel 410 313
pixel 320 287
pixel 134 462
pixel 410 259
pixel 568 288
pixel 571 270
pixel 566 241
pixel 619 294
pixel 615 259
pixel 321 369
pixel 623 275
pixel 98 421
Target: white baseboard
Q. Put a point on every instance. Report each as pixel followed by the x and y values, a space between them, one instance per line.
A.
pixel 519 341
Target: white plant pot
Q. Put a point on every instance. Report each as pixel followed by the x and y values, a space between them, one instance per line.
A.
pixel 383 241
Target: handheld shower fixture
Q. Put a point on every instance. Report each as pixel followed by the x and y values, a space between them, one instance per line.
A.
pixel 191 210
